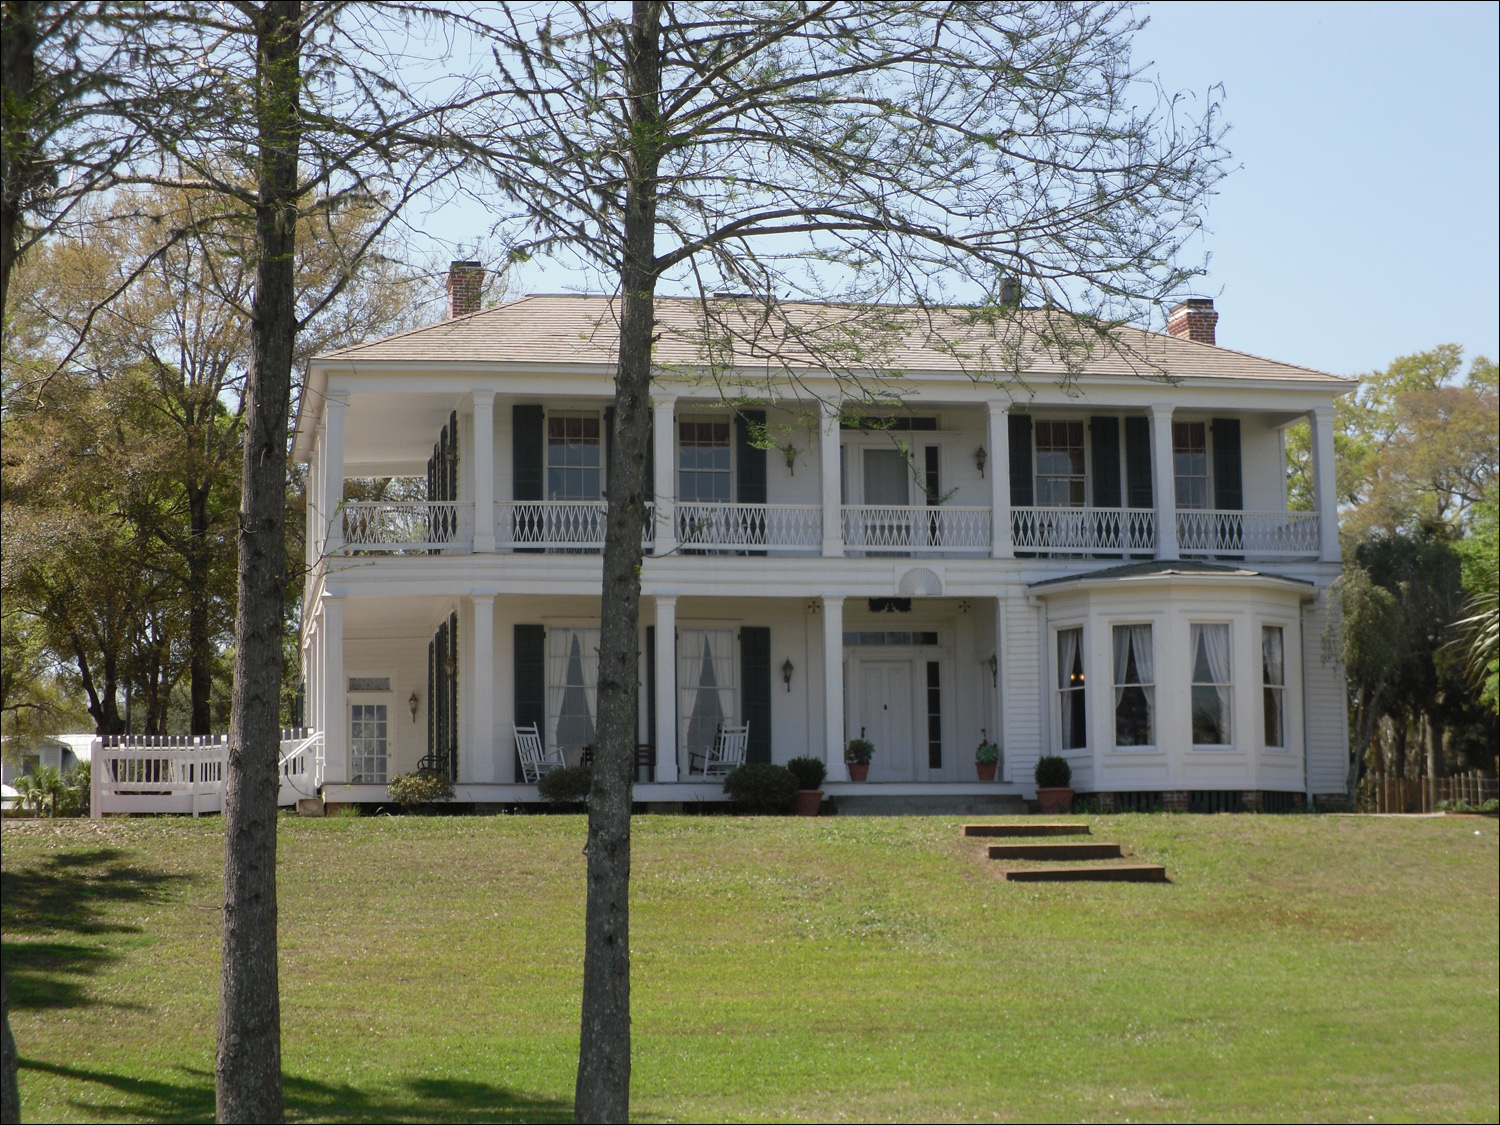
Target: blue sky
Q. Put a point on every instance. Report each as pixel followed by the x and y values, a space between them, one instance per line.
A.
pixel 1360 222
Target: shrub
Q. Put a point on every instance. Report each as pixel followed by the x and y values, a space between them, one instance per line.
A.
pixel 762 788
pixel 1053 772
pixel 425 787
pixel 569 784
pixel 987 754
pixel 809 772
pixel 77 791
pixel 859 752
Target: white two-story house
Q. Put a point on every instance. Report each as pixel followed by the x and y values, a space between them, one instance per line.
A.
pixel 1106 571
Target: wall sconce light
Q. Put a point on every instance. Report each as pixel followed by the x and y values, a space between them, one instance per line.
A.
pixel 414 703
pixel 790 451
pixel 994 663
pixel 980 457
pixel 786 673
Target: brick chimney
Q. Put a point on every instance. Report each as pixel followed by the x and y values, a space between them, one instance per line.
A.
pixel 1193 319
pixel 465 285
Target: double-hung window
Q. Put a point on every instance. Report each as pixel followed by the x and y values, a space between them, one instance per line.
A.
pixel 1072 711
pixel 1211 685
pixel 573 455
pixel 703 461
pixel 1135 686
pixel 1059 465
pixel 1190 463
pixel 1273 685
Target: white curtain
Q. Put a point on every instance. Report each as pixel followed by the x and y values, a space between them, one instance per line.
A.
pixel 1213 642
pixel 706 679
pixel 572 686
pixel 1145 665
pixel 1273 670
pixel 1067 653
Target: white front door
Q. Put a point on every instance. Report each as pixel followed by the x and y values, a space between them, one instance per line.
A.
pixel 886 717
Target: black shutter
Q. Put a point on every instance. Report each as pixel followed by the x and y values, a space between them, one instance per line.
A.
pixel 1020 461
pixel 452 763
pixel 755 677
pixel 651 685
pixel 751 486
pixel 452 457
pixel 526 449
pixel 531 680
pixel 932 482
pixel 432 697
pixel 1138 463
pixel 1229 495
pixel 1105 434
pixel 609 449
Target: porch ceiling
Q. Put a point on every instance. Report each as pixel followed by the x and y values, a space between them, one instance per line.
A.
pixel 388 617
pixel 393 434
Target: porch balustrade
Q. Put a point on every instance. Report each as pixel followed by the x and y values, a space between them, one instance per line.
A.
pixel 1084 531
pixel 558 525
pixel 918 530
pixel 408 525
pixel 1249 534
pixel 797 527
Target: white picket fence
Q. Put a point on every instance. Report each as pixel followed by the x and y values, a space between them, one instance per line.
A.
pixel 185 773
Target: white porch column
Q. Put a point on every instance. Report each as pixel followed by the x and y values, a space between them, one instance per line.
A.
pixel 833 687
pixel 335 718
pixel 663 433
pixel 1164 480
pixel 480 763
pixel 1001 546
pixel 333 471
pixel 1325 486
pixel 484 471
pixel 666 688
pixel 828 462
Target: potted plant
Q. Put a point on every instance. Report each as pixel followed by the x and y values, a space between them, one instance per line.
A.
pixel 857 756
pixel 1053 776
pixel 809 773
pixel 986 759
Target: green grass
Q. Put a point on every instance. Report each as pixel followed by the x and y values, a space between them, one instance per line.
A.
pixel 1296 968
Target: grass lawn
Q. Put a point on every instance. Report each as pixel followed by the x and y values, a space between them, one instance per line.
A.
pixel 1296 968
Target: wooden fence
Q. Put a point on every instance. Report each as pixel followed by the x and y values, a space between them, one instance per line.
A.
pixel 1415 794
pixel 185 774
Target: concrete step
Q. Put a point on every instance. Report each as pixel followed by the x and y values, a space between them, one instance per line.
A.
pixel 1060 850
pixel 1100 873
pixel 1026 830
pixel 875 804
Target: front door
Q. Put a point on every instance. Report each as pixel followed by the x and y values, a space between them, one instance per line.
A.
pixel 885 716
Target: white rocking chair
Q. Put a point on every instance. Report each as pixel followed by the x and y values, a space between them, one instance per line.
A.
pixel 536 759
pixel 726 755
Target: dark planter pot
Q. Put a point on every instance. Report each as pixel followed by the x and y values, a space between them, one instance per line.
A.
pixel 858 771
pixel 1055 800
pixel 986 770
pixel 808 802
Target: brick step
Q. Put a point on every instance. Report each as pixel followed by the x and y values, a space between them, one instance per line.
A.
pixel 1062 850
pixel 1026 829
pixel 1101 873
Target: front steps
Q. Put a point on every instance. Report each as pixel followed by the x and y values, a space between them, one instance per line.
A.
pixel 1067 850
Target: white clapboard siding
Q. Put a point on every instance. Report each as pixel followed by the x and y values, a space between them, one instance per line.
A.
pixel 1327 717
pixel 1021 702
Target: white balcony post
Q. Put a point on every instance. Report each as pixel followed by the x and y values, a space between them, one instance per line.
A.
pixel 666 688
pixel 484 471
pixel 1325 484
pixel 333 470
pixel 833 687
pixel 1164 482
pixel 335 717
pixel 664 433
pixel 1001 546
pixel 480 764
pixel 828 461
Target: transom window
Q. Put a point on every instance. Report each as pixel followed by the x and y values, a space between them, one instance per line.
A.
pixel 1190 463
pixel 1059 465
pixel 1135 686
pixel 573 455
pixel 1211 687
pixel 1072 711
pixel 890 638
pixel 1273 684
pixel 703 460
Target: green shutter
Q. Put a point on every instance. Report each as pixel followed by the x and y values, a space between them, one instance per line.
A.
pixel 1104 432
pixel 750 488
pixel 609 449
pixel 531 680
pixel 526 450
pixel 755 678
pixel 1229 493
pixel 1020 461
pixel 651 685
pixel 1138 463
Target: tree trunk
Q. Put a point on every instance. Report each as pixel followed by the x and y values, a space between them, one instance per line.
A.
pixel 18 50
pixel 1434 756
pixel 200 648
pixel 602 1092
pixel 247 1070
pixel 1399 727
pixel 10 1092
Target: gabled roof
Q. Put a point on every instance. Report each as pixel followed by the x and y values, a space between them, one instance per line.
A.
pixel 582 330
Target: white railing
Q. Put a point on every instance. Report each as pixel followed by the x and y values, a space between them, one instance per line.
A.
pixel 408 525
pixel 557 525
pixel 1274 534
pixel 185 773
pixel 916 530
pixel 774 526
pixel 1084 530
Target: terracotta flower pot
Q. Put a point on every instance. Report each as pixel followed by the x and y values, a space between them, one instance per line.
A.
pixel 986 770
pixel 858 771
pixel 1055 800
pixel 808 802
